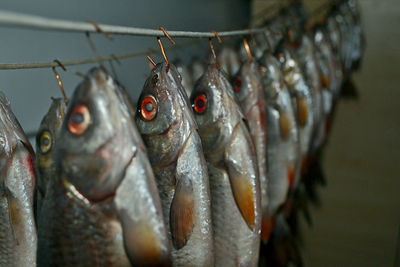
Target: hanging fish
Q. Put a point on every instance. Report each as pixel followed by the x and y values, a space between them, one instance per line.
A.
pixel 249 92
pixel 170 133
pixel 304 50
pixel 17 185
pixel 196 69
pixel 328 71
pixel 301 100
pixel 229 60
pixel 232 165
pixel 186 78
pixel 283 143
pixel 103 207
pixel 46 139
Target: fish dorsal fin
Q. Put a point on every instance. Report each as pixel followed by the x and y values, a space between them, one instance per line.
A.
pixel 182 217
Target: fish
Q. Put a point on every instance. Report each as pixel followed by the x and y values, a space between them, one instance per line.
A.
pixel 304 50
pixel 18 237
pixel 46 139
pixel 229 60
pixel 103 206
pixel 169 131
pixel 301 100
pixel 196 68
pixel 249 92
pixel 232 167
pixel 186 77
pixel 283 142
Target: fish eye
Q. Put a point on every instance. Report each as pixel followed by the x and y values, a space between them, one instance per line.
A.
pixel 79 120
pixel 148 108
pixel 45 142
pixel 200 103
pixel 237 84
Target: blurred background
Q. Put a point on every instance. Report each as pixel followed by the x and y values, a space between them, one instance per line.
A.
pixel 358 223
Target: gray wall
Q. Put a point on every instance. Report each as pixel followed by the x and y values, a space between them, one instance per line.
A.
pixel 30 90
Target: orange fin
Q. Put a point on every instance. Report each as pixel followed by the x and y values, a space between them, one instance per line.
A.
pixel 142 246
pixel 242 191
pixel 284 125
pixel 182 215
pixel 302 111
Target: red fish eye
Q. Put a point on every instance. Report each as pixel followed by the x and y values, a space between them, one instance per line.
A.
pixel 79 120
pixel 148 108
pixel 200 103
pixel 237 84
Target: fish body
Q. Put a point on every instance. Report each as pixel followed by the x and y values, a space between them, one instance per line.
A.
pixel 18 239
pixel 283 142
pixel 170 133
pixel 301 100
pixel 306 55
pixel 249 91
pixel 103 208
pixel 46 139
pixel 233 171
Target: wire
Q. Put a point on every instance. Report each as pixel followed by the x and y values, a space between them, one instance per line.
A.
pixel 8 18
pixel 38 65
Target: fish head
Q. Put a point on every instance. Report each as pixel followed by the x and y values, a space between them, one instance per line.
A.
pixel 229 60
pixel 163 116
pixel 46 139
pixel 247 85
pixel 271 75
pixel 95 142
pixel 214 107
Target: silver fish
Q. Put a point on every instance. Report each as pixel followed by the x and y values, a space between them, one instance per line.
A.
pixel 196 69
pixel 305 53
pixel 103 208
pixel 17 184
pixel 170 133
pixel 186 78
pixel 301 100
pixel 249 91
pixel 232 166
pixel 229 60
pixel 46 139
pixel 283 141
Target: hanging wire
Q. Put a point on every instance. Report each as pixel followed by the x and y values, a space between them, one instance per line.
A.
pixel 8 18
pixel 14 66
pixel 14 19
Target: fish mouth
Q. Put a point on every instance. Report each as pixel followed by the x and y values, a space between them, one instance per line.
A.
pixel 74 193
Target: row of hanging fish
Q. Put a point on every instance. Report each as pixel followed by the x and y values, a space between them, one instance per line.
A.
pixel 210 168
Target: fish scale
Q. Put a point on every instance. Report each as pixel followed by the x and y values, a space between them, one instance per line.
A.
pixel 80 230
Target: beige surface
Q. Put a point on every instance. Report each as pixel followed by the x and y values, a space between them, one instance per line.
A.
pixel 359 222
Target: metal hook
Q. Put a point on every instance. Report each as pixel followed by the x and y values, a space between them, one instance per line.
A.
pixel 163 52
pixel 217 36
pixel 151 61
pixel 166 34
pixel 58 78
pixel 99 30
pixel 212 49
pixel 247 48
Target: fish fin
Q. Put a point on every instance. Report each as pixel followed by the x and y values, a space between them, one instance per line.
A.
pixel 182 217
pixel 141 243
pixel 242 173
pixel 13 211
